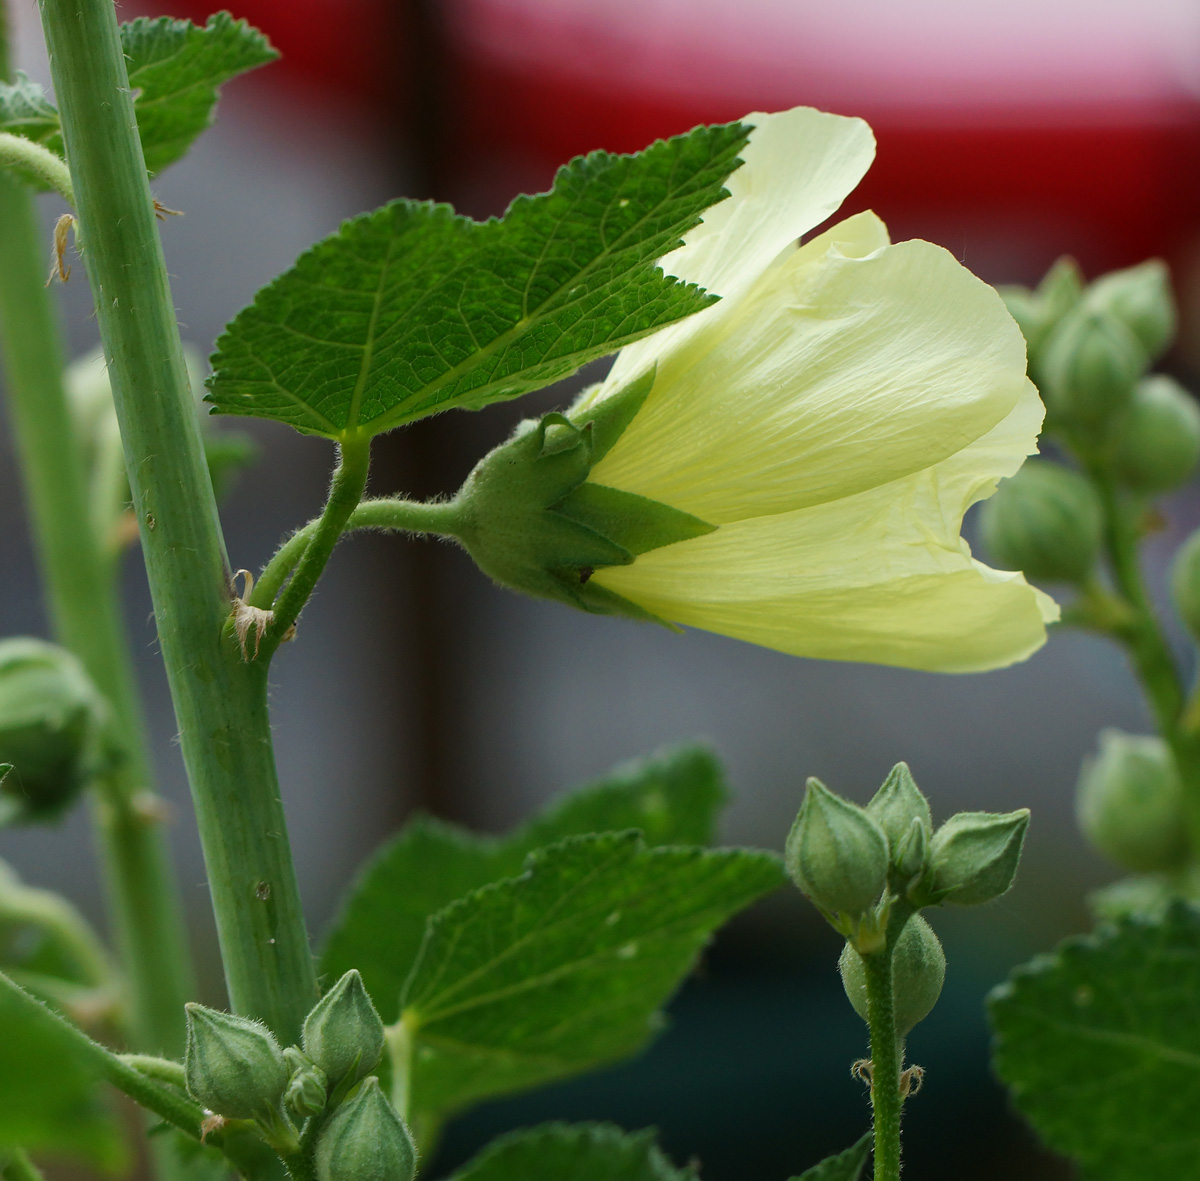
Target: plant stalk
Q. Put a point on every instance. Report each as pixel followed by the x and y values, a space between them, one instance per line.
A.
pixel 886 1062
pixel 220 701
pixel 19 1167
pixel 86 617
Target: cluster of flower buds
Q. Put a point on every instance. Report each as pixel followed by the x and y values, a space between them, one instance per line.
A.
pixel 53 730
pixel 862 866
pixel 1090 349
pixel 236 1069
pixel 1130 803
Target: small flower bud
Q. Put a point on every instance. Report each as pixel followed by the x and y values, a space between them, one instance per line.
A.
pixel 51 723
pixel 975 856
pixel 897 804
pixel 911 857
pixel 1038 312
pixel 366 1140
pixel 1185 583
pixel 918 972
pixel 1089 367
pixel 836 853
pixel 1045 521
pixel 344 1033
pixel 307 1091
pixel 1156 445
pixel 1141 298
pixel 233 1065
pixel 1130 803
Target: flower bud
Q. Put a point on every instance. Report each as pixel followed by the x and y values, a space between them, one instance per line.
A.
pixel 51 726
pixel 918 972
pixel 343 1033
pixel 836 853
pixel 307 1091
pixel 233 1065
pixel 896 805
pixel 1130 803
pixel 366 1140
pixel 1185 583
pixel 911 857
pixel 1141 298
pixel 1045 521
pixel 975 856
pixel 1038 312
pixel 1156 445
pixel 1089 367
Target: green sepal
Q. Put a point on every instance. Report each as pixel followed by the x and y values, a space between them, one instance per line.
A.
pixel 610 416
pixel 635 522
pixel 897 803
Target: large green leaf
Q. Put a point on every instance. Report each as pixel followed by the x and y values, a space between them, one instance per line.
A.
pixel 573 1152
pixel 1100 1045
pixel 175 69
pixel 412 310
pixel 50 1100
pixel 566 967
pixel 673 798
pixel 845 1166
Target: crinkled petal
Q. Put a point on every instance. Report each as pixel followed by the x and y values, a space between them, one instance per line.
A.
pixel 850 364
pixel 798 167
pixel 882 576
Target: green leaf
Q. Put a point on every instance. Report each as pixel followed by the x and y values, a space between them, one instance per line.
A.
pixel 25 110
pixel 673 797
pixel 573 1152
pixel 846 1166
pixel 564 968
pixel 50 1100
pixel 1100 1045
pixel 176 68
pixel 412 310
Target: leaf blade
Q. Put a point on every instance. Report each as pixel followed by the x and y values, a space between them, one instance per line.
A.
pixel 845 1166
pixel 1099 1045
pixel 417 310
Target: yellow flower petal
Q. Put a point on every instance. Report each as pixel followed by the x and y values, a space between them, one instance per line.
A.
pixel 882 576
pixel 849 364
pixel 798 167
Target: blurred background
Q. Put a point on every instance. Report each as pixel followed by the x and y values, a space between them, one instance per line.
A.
pixel 1009 133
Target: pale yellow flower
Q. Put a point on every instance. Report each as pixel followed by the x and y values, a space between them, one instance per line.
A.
pixel 834 415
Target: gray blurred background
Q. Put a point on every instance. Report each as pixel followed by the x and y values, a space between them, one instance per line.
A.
pixel 414 682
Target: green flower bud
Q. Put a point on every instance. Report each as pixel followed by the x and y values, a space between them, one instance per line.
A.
pixel 897 804
pixel 343 1033
pixel 1156 445
pixel 307 1091
pixel 975 856
pixel 51 729
pixel 366 1140
pixel 233 1065
pixel 1089 367
pixel 911 857
pixel 1185 583
pixel 836 853
pixel 1038 312
pixel 918 972
pixel 1141 298
pixel 1045 521
pixel 1130 803
pixel 1061 288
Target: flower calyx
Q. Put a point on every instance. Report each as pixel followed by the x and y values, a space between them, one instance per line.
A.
pixel 234 1066
pixel 973 859
pixel 343 1035
pixel 366 1140
pixel 532 521
pixel 918 973
pixel 308 1086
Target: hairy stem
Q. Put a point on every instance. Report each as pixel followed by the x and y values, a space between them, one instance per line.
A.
pixel 887 1053
pixel 220 701
pixel 391 513
pixel 40 164
pixel 85 612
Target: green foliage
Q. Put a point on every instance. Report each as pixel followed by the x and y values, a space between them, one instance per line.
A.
pixel 564 968
pixel 846 1166
pixel 673 798
pixel 576 1152
pixel 51 1098
pixel 412 310
pixel 1100 1046
pixel 175 68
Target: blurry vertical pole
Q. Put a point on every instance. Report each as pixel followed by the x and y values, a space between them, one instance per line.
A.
pixel 81 589
pixel 419 460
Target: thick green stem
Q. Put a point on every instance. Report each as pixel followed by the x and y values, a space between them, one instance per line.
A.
pixel 220 701
pixel 81 589
pixel 392 513
pixel 885 1064
pixel 1147 645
